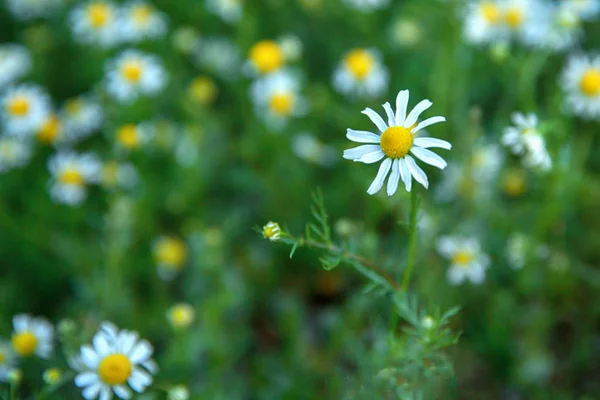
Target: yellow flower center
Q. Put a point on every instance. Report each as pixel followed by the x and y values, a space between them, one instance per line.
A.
pixel 70 176
pixel 182 315
pixel 514 17
pixel 360 63
pixel 270 231
pixel 19 106
pixel 514 184
pixel 282 103
pixel 396 141
pixel 128 136
pixel 203 90
pixel 52 375
pixel 115 369
pixel 171 252
pixel 73 106
pixel 98 14
pixel 24 343
pixel 49 130
pixel 491 13
pixel 590 82
pixel 462 258
pixel 266 56
pixel 131 71
pixel 141 14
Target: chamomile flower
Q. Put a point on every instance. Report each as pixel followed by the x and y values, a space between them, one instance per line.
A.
pixel 482 21
pixel 537 156
pixel 7 360
pixel 468 262
pixel 558 30
pixel 367 5
pixel 271 231
pixel 181 316
pixel 394 141
pixel 230 11
pixel 14 153
pixel 15 62
pixel 51 130
pixel 96 22
pixel 585 9
pixel 142 21
pixel 121 175
pixel 170 255
pixel 30 9
pixel 116 362
pixel 277 98
pixel 24 109
pixel 133 136
pixel 133 74
pixel 310 148
pixel 581 84
pixel 361 73
pixel 71 174
pixel 81 116
pixel 520 18
pixel 519 136
pixel 32 336
pixel 219 55
pixel 265 57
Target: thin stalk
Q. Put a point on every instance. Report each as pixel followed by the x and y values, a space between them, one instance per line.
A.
pixel 412 240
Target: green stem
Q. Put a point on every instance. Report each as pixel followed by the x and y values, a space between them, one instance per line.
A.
pixel 412 240
pixel 49 389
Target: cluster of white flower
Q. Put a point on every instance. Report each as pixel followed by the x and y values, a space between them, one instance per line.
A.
pixel 524 139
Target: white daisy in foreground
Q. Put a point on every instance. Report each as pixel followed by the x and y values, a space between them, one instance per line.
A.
pixel 581 84
pixel 142 20
pixel 7 360
pixel 482 21
pixel 133 74
pixel 394 141
pixel 310 148
pixel 29 9
pixel 468 262
pixel 277 98
pixel 585 9
pixel 24 109
pixel 96 22
pixel 361 74
pixel 15 62
pixel 519 136
pixel 170 256
pixel 14 153
pixel 32 336
pixel 81 116
pixel 230 11
pixel 367 5
pixel 71 174
pixel 116 362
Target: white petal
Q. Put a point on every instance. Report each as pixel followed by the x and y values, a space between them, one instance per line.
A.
pixel 377 184
pixel 122 391
pixel 476 274
pixel 362 136
pixel 105 393
pixel 151 366
pixel 429 157
pixel 394 178
pixel 20 323
pixel 416 171
pixel 141 352
pixel 139 380
pixel 405 174
pixel 427 142
pixel 356 153
pixel 127 341
pixel 85 379
pixel 413 116
pixel 375 118
pixel 390 114
pixel 101 344
pixel 91 392
pixel 89 357
pixel 456 275
pixel 447 246
pixel 401 106
pixel 371 158
pixel 428 122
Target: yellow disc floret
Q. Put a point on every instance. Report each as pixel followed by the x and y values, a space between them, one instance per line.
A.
pixel 462 258
pixel 266 56
pixel 360 63
pixel 128 136
pixel 71 176
pixel 272 231
pixel 49 130
pixel 282 103
pixel 141 14
pixel 131 71
pixel 491 13
pixel 24 343
pixel 181 315
pixel 396 141
pixel 115 369
pixel 98 14
pixel 590 82
pixel 19 106
pixel 514 17
pixel 170 252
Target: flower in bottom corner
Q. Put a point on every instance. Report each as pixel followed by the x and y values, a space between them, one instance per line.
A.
pixel 7 360
pixel 32 336
pixel 468 262
pixel 116 362
pixel 393 141
pixel 71 174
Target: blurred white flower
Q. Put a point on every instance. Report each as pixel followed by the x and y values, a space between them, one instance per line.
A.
pixel 394 141
pixel 517 248
pixel 141 20
pixel 521 19
pixel 14 153
pixel 30 9
pixel 581 84
pixel 133 136
pixel 32 336
pixel 170 255
pixel 24 109
pixel 7 360
pixel 179 392
pixel 482 21
pixel 585 9
pixel 121 175
pixel 361 74
pixel 517 137
pixel 265 57
pixel 133 74
pixel 467 260
pixel 291 47
pixel 219 55
pixel 406 32
pixel 181 315
pixel 230 11
pixel 310 148
pixel 51 130
pixel 15 62
pixel 97 22
pixel 559 28
pixel 81 116
pixel 71 173
pixel 367 5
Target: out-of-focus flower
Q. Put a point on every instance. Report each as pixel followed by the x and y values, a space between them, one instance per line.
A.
pixel 122 175
pixel 230 11
pixel 24 109
pixel 537 155
pixel 141 20
pixel 32 336
pixel 15 62
pixel 265 57
pixel 393 141
pixel 170 255
pixel 203 90
pixel 310 148
pixel 513 183
pixel 525 139
pixel 51 130
pixel 179 392
pixel 7 360
pixel 517 248
pixel 467 260
pixel 291 47
pixel 406 32
pixel 14 153
pixel 71 174
pixel 521 18
pixel 367 5
pixel 185 39
pixel 15 376
pixel 97 22
pixel 117 362
pixel 52 376
pixel 559 28
pixel 361 74
pixel 581 84
pixel 133 136
pixel 81 116
pixel 585 9
pixel 181 316
pixel 30 9
pixel 482 21
pixel 272 231
pixel 220 56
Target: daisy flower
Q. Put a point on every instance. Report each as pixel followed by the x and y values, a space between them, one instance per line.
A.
pixel 132 136
pixel 81 116
pixel 203 90
pixel 537 155
pixel 367 5
pixel 265 57
pixel 468 262
pixel 219 55
pixel 15 62
pixel 310 148
pixel 520 18
pixel 7 360
pixel 71 174
pixel 178 392
pixel 24 109
pixel 116 362
pixel 525 129
pixel 581 84
pixel 29 9
pixel 585 9
pixel 32 336
pixel 14 153
pixel 394 141
pixel 271 231
pixel 559 29
pixel 96 22
pixel 51 130
pixel 482 21
pixel 181 315
pixel 133 74
pixel 276 98
pixel 170 256
pixel 229 11
pixel 142 21
pixel 361 74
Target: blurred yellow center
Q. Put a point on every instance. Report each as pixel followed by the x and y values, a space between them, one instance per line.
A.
pixel 590 82
pixel 514 17
pixel 114 369
pixel 52 375
pixel 171 252
pixel 141 14
pixel 182 315
pixel 360 63
pixel 491 13
pixel 24 343
pixel 98 14
pixel 73 106
pixel 282 103
pixel 396 141
pixel 266 56
pixel 70 176
pixel 128 136
pixel 49 130
pixel 131 71
pixel 462 258
pixel 514 184
pixel 203 90
pixel 19 106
